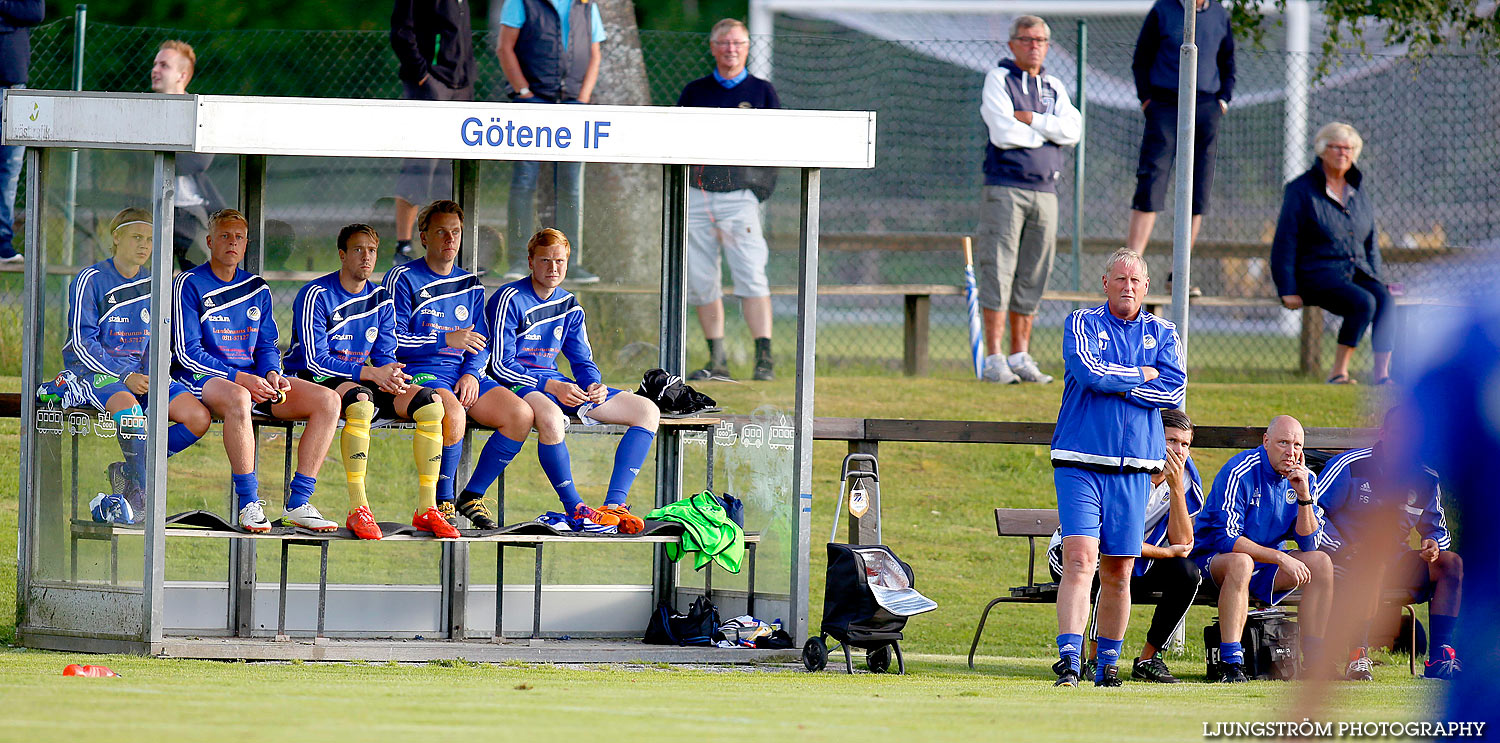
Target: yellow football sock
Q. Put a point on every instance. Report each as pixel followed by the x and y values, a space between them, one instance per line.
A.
pixel 427 450
pixel 355 445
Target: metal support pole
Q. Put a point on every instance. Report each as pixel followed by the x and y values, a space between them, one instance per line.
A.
pixel 80 27
pixel 1082 56
pixel 164 182
pixel 763 27
pixel 1182 228
pixel 536 596
pixel 499 591
pixel 281 594
pixel 1294 151
pixel 322 584
pixel 673 358
pixel 802 448
pixel 242 551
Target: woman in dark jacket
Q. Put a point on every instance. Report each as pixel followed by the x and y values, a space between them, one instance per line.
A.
pixel 1325 255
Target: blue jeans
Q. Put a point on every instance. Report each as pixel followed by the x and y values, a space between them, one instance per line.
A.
pixel 11 159
pixel 521 211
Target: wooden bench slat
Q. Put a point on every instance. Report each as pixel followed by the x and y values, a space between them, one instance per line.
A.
pixel 1025 522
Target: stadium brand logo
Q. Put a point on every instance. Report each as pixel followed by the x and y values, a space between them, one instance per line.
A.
pixel 430 311
pixel 218 318
pixel 533 337
pixel 343 337
pixel 118 319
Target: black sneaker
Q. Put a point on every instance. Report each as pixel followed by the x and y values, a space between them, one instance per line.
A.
pixel 1068 677
pixel 763 370
pixel 450 514
pixel 1232 673
pixel 581 275
pixel 472 507
pixel 1153 670
pixel 1108 676
pixel 709 373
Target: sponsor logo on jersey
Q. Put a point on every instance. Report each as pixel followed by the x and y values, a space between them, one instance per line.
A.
pixel 111 299
pixel 337 317
pixel 1149 342
pixel 533 337
pixel 425 295
pixel 1103 340
pixel 371 333
pixel 104 380
pixel 117 318
pixel 1365 486
pixel 430 311
pixel 208 301
pixel 253 313
pixel 423 378
pixel 343 337
pixel 218 318
pixel 461 312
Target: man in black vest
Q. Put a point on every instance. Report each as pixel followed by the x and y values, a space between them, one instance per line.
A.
pixel 1029 120
pixel 16 20
pixel 434 43
pixel 549 51
pixel 724 211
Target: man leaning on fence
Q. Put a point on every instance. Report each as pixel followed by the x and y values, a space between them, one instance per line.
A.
pixel 16 19
pixel 724 211
pixel 171 70
pixel 1030 120
pixel 1121 364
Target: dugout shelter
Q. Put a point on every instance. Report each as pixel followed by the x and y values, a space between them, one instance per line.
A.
pixel 152 589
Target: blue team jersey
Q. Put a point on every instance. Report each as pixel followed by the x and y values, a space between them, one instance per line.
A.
pixel 1357 495
pixel 1158 509
pixel 532 333
pixel 221 328
pixel 109 321
pixel 1108 421
pixel 1251 500
pixel 335 332
pixel 427 306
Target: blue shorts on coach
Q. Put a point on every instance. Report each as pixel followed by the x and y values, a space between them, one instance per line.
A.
pixel 1108 507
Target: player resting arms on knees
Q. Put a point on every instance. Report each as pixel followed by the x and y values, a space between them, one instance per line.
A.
pixel 344 338
pixel 1261 498
pixel 224 349
pixel 1370 505
pixel 441 338
pixel 536 321
pixel 109 333
pixel 1121 364
pixel 1176 497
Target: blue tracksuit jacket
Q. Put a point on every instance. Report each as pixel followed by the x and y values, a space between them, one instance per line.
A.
pixel 335 332
pixel 1251 500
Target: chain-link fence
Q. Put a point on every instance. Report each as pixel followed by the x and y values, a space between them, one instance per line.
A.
pixel 1431 130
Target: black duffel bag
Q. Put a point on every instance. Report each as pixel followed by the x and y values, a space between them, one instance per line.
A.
pixel 696 627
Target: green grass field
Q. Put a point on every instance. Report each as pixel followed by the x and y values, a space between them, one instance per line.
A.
pixel 937 501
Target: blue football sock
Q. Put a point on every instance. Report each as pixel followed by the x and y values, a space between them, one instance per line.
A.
pixel 302 490
pixel 246 489
pixel 1068 648
pixel 1312 649
pixel 449 472
pixel 1442 632
pixel 132 440
pixel 493 459
pixel 1109 655
pixel 179 437
pixel 559 468
pixel 1231 652
pixel 629 456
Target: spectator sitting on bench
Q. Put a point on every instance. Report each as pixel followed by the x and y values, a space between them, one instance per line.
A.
pixel 109 333
pixel 224 349
pixel 536 321
pixel 1369 510
pixel 1176 497
pixel 1261 498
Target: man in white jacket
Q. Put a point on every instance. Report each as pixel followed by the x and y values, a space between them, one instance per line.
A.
pixel 1030 120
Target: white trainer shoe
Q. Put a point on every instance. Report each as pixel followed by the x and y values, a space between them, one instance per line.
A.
pixel 307 517
pixel 253 518
pixel 1026 369
pixel 997 371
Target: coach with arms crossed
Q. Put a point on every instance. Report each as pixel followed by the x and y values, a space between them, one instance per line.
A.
pixel 1030 120
pixel 1262 498
pixel 1120 366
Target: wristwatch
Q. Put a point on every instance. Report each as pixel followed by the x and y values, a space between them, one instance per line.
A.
pixel 1304 501
pixel 523 93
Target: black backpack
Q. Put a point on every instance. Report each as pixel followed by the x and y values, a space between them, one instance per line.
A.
pixel 1270 645
pixel 697 627
pixel 673 396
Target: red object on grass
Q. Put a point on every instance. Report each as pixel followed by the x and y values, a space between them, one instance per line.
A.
pixel 74 669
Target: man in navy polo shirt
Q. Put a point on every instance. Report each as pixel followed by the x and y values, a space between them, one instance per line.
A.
pixel 1029 120
pixel 724 211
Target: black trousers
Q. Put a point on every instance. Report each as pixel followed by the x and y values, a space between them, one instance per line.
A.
pixel 1363 302
pixel 1159 150
pixel 1177 580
